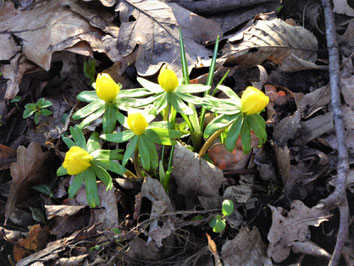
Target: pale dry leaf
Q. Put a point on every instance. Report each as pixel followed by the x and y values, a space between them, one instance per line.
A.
pixel 161 203
pixel 346 41
pixel 285 230
pixel 342 7
pixel 316 126
pixel 309 248
pixel 292 47
pixel 347 90
pixel 193 175
pixel 246 249
pixel 155 31
pixel 26 172
pixel 61 210
pixel 107 3
pixel 314 101
pixel 287 129
pixel 348 117
pixel 242 192
pixel 74 260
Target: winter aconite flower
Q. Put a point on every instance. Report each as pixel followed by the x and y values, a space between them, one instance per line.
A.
pixel 106 88
pixel 77 160
pixel 137 123
pixel 253 101
pixel 167 79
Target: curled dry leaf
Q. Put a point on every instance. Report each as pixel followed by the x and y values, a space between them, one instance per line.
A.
pixel 342 7
pixel 292 47
pixel 193 175
pixel 247 248
pixel 55 28
pixel 155 30
pixel 286 230
pixel 26 172
pixel 7 156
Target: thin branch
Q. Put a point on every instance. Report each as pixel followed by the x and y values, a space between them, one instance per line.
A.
pixel 338 197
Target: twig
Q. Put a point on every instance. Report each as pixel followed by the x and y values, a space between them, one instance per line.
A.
pixel 217 6
pixel 338 197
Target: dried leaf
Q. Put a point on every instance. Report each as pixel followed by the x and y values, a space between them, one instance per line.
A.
pixel 77 260
pixel 350 181
pixel 7 156
pixel 246 249
pixel 27 171
pixel 286 129
pixel 285 230
pixel 193 175
pixel 342 7
pixel 36 240
pixel 317 126
pixel 309 248
pixel 155 30
pixel 213 249
pixel 292 47
pixel 242 192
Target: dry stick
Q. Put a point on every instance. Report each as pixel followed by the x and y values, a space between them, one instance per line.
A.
pixel 338 197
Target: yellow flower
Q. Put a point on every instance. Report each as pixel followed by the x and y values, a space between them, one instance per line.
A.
pixel 106 88
pixel 167 79
pixel 137 123
pixel 253 101
pixel 76 160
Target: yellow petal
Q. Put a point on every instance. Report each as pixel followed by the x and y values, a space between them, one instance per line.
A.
pixel 106 88
pixel 253 101
pixel 137 123
pixel 76 160
pixel 167 79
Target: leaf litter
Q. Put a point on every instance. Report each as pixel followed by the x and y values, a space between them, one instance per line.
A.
pixel 291 170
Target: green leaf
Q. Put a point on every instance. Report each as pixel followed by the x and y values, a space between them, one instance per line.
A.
pixel 104 176
pixel 178 104
pixel 78 137
pixel 76 184
pixel 68 142
pixel 116 231
pixel 43 103
pixel 88 109
pixel 92 117
pixel 154 158
pixel 61 171
pixel 107 155
pixel 44 189
pixel 112 166
pixel 131 103
pixel 227 207
pixel 219 226
pixel 109 118
pixel 46 112
pixel 16 99
pixel 38 215
pixel 88 96
pixel 31 106
pixel 130 149
pixel 163 136
pixel 183 58
pixel 27 113
pixel 213 63
pixel 152 87
pixel 189 98
pixel 159 104
pixel 144 153
pixel 212 222
pixel 122 119
pixel 257 123
pixel 233 134
pixel 230 93
pixel 192 88
pixel 93 143
pixel 222 106
pixel 132 93
pixel 90 69
pixel 246 136
pixel 36 118
pixel 118 137
pixel 91 188
pixel 219 123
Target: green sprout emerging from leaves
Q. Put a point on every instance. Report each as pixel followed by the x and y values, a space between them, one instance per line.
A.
pixel 37 109
pixel 218 222
pixel 87 161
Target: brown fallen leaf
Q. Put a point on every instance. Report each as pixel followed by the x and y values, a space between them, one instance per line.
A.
pixel 26 172
pixel 155 31
pixel 213 249
pixel 7 156
pixel 292 47
pixel 286 230
pixel 36 240
pixel 195 176
pixel 247 248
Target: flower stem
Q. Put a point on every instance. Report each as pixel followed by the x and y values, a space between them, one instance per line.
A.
pixel 210 141
pixel 136 163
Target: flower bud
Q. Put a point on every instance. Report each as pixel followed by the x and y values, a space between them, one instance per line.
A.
pixel 76 160
pixel 137 123
pixel 106 88
pixel 167 79
pixel 253 101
